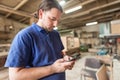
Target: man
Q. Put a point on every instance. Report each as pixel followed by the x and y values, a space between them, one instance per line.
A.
pixel 35 52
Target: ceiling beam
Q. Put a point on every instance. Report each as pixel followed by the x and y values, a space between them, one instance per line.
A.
pixel 18 6
pixel 90 10
pixel 72 3
pixel 117 15
pixel 92 15
pixel 23 19
pixel 104 18
pixel 99 18
pixel 10 10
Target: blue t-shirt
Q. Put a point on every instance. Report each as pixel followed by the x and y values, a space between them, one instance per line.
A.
pixel 34 47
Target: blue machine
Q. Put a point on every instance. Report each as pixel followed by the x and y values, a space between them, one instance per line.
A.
pixel 102 51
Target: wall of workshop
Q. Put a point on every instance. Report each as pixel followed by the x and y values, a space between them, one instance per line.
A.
pixel 89 35
pixel 101 28
pixel 104 29
pixel 69 33
pixel 87 29
pixel 92 28
pixel 70 40
pixel 107 28
pixel 6 31
pixel 115 27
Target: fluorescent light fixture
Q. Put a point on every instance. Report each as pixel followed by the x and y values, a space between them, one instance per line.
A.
pixel 55 28
pixel 73 9
pixel 92 23
pixel 62 2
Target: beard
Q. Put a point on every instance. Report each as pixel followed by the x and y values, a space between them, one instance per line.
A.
pixel 48 28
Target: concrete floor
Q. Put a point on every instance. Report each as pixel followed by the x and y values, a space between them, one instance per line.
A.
pixel 74 74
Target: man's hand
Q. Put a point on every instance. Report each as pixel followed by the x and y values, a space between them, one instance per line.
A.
pixel 61 65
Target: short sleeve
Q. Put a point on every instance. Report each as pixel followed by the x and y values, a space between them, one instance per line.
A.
pixel 19 54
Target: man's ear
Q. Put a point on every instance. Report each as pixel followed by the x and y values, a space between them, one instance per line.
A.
pixel 40 13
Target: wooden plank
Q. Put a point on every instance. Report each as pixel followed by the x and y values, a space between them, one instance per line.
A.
pixel 3 45
pixel 3 54
pixel 101 73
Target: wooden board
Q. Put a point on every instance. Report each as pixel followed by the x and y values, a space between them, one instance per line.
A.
pixel 101 73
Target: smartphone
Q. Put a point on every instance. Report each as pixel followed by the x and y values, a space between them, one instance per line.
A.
pixel 75 56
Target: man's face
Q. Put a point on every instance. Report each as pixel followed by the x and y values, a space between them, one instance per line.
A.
pixel 50 19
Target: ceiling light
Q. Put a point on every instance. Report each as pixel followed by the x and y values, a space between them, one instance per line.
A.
pixel 62 2
pixel 92 23
pixel 73 9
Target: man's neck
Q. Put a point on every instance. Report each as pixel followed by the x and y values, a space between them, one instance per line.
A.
pixel 39 23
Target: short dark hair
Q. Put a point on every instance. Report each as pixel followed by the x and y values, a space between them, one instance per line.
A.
pixel 48 5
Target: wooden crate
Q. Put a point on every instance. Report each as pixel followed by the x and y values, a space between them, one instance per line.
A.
pixel 70 42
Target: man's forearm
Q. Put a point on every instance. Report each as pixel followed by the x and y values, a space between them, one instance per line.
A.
pixel 35 73
pixel 30 73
